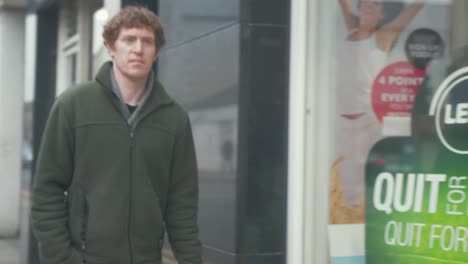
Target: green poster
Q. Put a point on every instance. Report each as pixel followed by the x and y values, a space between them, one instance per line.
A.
pixel 416 187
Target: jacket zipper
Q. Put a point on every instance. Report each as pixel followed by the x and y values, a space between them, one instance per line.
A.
pixel 132 143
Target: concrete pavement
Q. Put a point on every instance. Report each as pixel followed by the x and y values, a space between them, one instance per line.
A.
pixel 9 252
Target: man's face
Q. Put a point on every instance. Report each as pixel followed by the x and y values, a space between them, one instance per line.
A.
pixel 133 52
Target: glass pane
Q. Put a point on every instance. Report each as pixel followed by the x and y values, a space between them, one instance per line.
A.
pixel 401 113
pixel 202 75
pixel 185 20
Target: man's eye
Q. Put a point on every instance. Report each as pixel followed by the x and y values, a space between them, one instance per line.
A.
pixel 148 41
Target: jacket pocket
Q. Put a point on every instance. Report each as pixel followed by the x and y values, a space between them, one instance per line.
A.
pixel 84 226
pixel 78 214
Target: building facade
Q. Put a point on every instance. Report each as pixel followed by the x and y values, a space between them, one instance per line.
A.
pixel 12 17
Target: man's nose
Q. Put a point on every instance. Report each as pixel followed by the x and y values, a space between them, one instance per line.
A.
pixel 138 46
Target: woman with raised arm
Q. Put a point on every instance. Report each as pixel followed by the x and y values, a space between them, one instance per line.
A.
pixel 361 54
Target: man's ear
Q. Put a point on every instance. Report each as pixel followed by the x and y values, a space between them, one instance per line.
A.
pixel 110 49
pixel 156 55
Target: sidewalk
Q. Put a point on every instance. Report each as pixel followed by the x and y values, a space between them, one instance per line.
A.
pixel 9 251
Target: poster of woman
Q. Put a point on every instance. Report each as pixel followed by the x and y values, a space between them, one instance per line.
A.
pixel 362 52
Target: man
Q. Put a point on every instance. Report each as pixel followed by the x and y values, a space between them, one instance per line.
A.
pixel 117 163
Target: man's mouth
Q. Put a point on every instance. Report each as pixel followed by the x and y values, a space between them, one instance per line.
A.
pixel 137 61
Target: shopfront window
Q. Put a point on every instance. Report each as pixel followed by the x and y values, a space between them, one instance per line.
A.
pixel 398 184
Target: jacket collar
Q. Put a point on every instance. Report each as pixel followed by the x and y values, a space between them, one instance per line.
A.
pixel 157 98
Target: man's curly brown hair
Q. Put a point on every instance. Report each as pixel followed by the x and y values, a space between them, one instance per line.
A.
pixel 130 17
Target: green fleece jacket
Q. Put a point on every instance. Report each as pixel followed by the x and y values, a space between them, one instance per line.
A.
pixel 104 191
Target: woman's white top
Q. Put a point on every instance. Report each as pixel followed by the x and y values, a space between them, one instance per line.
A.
pixel 358 64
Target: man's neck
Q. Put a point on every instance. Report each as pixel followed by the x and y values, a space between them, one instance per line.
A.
pixel 130 89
